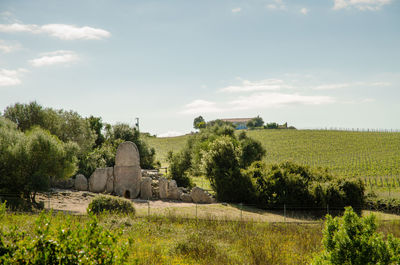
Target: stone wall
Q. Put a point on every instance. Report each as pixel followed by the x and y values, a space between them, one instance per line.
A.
pixel 128 180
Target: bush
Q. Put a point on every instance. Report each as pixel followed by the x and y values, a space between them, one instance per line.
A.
pixel 28 160
pixel 62 244
pixel 299 186
pixel 222 167
pixel 179 165
pixel 354 240
pixel 112 204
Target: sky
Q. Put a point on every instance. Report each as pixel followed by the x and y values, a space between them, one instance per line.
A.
pixel 311 63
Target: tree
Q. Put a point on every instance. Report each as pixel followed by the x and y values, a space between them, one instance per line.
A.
pixel 66 125
pixel 125 132
pixel 97 125
pixel 29 160
pixel 353 240
pixel 199 123
pixel 252 150
pixel 180 164
pixel 25 115
pixel 258 121
pixel 222 167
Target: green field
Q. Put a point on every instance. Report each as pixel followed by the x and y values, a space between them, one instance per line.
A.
pixel 370 155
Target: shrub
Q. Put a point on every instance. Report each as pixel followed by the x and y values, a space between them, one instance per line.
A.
pixel 300 186
pixel 222 167
pixel 179 165
pixel 62 244
pixel 354 240
pixel 112 204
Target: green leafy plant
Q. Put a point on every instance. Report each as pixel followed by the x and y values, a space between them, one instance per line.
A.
pixel 111 204
pixel 353 240
pixel 62 244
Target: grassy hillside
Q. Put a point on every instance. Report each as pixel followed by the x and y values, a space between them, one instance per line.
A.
pixel 365 154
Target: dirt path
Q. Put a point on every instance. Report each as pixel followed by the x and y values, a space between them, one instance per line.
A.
pixel 76 202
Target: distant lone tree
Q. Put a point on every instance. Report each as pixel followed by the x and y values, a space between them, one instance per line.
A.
pixel 199 123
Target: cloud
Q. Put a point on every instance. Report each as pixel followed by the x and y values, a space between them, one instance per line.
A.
pixel 276 5
pixel 363 5
pixel 268 100
pixel 331 86
pixel 236 10
pixel 304 11
pixel 57 57
pixel 343 85
pixel 61 31
pixel 10 77
pixel 263 85
pixel 170 134
pixel 6 47
pixel 199 106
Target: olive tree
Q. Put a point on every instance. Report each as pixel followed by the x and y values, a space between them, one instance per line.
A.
pixel 29 160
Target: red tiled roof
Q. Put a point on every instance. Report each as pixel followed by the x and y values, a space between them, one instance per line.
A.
pixel 237 120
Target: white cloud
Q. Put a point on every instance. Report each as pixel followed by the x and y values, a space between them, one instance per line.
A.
pixel 304 11
pixel 331 86
pixel 360 4
pixel 343 85
pixel 236 10
pixel 6 47
pixel 10 77
pixel 276 4
pixel 263 85
pixel 268 100
pixel 57 57
pixel 61 31
pixel 200 106
pixel 170 134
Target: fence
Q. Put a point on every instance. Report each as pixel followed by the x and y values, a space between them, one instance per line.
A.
pixel 286 213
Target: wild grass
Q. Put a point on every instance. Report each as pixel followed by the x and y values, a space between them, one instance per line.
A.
pixel 175 240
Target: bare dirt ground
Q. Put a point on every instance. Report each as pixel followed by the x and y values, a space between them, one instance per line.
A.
pixel 76 202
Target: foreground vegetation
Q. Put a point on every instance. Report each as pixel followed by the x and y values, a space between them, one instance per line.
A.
pixel 173 240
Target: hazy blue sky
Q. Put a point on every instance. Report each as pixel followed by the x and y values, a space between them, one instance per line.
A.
pixel 311 63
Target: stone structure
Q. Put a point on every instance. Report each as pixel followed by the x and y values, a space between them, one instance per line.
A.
pixel 81 183
pixel 127 172
pixel 145 188
pixel 186 197
pixel 199 195
pixel 173 191
pixel 163 188
pixel 125 179
pixel 98 180
pixel 110 184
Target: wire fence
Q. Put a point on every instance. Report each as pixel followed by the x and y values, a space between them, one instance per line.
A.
pixel 285 213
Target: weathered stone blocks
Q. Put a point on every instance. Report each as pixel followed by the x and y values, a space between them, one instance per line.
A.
pixel 98 180
pixel 163 188
pixel 81 183
pixel 145 188
pixel 199 195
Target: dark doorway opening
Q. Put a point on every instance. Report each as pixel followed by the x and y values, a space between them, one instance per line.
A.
pixel 127 194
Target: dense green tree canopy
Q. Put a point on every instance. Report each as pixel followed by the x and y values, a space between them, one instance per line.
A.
pixel 28 160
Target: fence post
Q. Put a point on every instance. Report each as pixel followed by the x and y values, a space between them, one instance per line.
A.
pixel 48 196
pixel 284 212
pixel 327 208
pixel 241 212
pixel 148 208
pixel 196 211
